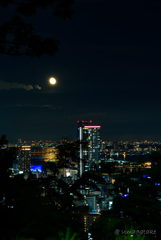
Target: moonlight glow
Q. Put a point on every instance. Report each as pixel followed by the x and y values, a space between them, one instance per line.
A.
pixel 52 80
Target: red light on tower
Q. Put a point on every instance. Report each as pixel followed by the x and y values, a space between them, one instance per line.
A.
pixel 77 121
pixel 90 126
pixel 90 121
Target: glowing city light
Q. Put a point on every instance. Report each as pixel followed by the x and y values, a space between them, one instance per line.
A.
pixel 92 126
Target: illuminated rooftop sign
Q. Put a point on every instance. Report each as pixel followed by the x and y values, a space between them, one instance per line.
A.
pixel 91 126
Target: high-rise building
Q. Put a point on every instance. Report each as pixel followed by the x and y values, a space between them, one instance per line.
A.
pixel 24 159
pixel 89 137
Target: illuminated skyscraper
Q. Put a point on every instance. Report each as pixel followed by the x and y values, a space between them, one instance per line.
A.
pixel 89 137
pixel 24 159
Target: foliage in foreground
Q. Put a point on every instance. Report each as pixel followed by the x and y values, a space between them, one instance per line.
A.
pixel 61 236
pixel 18 37
pixel 67 236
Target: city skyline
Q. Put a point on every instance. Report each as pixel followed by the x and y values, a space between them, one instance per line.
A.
pixel 107 70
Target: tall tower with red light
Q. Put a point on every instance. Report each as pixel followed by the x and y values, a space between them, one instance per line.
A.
pixel 89 136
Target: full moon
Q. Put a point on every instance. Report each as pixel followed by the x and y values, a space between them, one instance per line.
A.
pixel 52 80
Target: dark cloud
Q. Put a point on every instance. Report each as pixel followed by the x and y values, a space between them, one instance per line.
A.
pixel 8 85
pixel 37 87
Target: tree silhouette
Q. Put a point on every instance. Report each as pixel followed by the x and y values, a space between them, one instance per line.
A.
pixel 7 155
pixel 35 216
pixel 3 140
pixel 66 236
pixel 17 37
pixel 67 154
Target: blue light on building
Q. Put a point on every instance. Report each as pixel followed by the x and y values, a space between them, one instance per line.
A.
pixel 35 168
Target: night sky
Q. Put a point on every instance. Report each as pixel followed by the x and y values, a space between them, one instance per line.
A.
pixel 108 70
